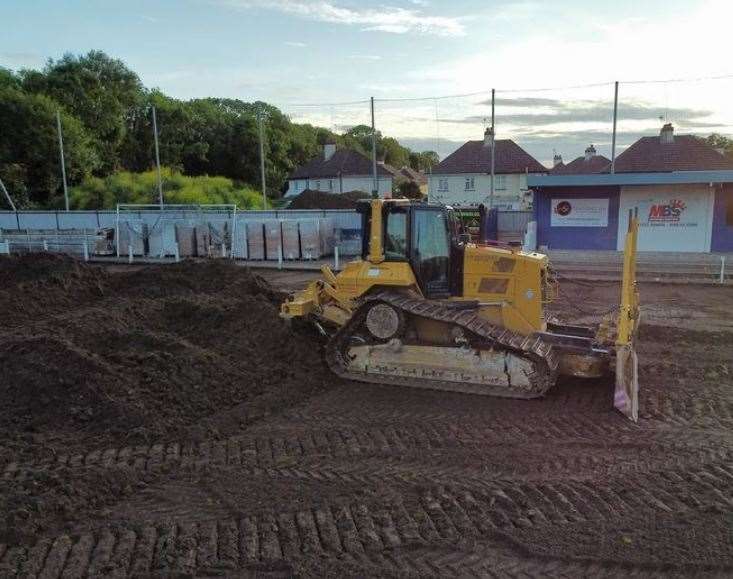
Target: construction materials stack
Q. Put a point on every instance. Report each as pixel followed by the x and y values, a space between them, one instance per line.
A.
pixel 186 239
pixel 256 240
pixel 273 239
pixel 290 239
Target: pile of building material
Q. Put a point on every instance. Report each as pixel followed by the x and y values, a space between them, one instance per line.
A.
pixel 182 237
pixel 291 239
pixel 78 242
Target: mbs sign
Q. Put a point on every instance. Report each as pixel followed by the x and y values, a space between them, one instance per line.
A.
pixel 667 212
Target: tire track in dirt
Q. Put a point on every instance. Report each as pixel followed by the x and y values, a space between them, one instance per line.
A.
pixel 368 532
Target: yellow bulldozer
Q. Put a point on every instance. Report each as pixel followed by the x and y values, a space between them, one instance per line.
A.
pixel 427 307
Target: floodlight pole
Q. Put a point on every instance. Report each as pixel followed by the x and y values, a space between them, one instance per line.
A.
pixel 63 162
pixel 263 178
pixel 157 160
pixel 375 186
pixel 7 195
pixel 613 137
pixel 493 143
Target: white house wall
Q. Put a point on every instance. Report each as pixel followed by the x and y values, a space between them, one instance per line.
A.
pixel 513 197
pixel 343 185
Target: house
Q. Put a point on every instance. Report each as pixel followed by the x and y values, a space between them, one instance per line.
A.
pixel 591 162
pixel 338 171
pixel 463 179
pixel 680 187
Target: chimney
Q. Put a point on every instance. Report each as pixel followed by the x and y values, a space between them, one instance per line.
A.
pixel 590 152
pixel 557 160
pixel 666 135
pixel 488 137
pixel 329 148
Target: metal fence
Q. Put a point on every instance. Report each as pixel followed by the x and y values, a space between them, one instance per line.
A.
pixel 342 218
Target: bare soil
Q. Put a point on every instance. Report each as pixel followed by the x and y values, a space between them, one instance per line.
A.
pixel 164 421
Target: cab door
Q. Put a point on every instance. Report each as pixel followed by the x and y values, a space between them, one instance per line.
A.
pixel 430 249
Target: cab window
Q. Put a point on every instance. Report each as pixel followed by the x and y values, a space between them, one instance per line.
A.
pixel 395 238
pixel 431 251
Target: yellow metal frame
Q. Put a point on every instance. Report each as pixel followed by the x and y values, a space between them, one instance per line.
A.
pixel 628 316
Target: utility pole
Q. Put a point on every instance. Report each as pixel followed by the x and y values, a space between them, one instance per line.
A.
pixel 261 131
pixel 7 196
pixel 63 162
pixel 493 143
pixel 375 186
pixel 157 159
pixel 613 138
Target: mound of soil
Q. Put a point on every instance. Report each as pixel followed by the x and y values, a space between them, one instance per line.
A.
pixel 310 199
pixel 127 357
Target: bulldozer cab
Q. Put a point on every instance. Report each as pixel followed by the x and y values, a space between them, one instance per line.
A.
pixel 416 233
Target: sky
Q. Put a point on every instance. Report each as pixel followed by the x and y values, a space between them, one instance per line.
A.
pixel 336 54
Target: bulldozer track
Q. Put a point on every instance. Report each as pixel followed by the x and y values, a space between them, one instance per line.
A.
pixel 532 347
pixel 383 535
pixel 514 502
pixel 355 404
pixel 285 448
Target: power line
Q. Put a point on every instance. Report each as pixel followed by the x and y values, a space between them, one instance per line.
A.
pixel 506 90
pixel 670 80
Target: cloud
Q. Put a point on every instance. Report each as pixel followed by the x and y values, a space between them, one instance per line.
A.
pixel 554 111
pixel 390 19
pixel 365 57
pixel 17 60
pixel 295 43
pixel 152 19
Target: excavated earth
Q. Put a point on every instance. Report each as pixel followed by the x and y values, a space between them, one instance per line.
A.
pixel 162 421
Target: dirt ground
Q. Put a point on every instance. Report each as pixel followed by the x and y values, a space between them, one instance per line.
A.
pixel 164 422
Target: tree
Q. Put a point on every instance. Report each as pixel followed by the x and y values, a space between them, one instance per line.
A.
pixel 100 91
pixel 720 142
pixel 29 161
pixel 409 190
pixel 424 161
pixel 107 117
pixel 8 79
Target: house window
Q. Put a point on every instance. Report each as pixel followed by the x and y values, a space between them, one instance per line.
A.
pixel 500 182
pixel 318 185
pixel 469 184
pixel 442 184
pixel 330 184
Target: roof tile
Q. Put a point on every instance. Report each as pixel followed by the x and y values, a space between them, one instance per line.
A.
pixel 343 162
pixel 685 153
pixel 475 157
pixel 579 166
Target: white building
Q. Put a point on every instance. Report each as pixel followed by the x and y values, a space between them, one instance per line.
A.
pixel 463 179
pixel 339 171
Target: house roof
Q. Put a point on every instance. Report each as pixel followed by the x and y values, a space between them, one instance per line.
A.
pixel 413 175
pixel 581 166
pixel 474 157
pixel 343 162
pixel 390 169
pixel 685 153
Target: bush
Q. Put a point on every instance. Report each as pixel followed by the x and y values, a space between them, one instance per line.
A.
pixel 126 187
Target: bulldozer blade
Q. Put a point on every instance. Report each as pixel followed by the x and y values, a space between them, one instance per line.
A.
pixel 626 395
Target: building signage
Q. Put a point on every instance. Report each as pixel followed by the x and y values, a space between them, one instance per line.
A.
pixel 670 218
pixel 579 213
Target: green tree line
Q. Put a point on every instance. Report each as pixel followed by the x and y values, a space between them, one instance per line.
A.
pixel 107 128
